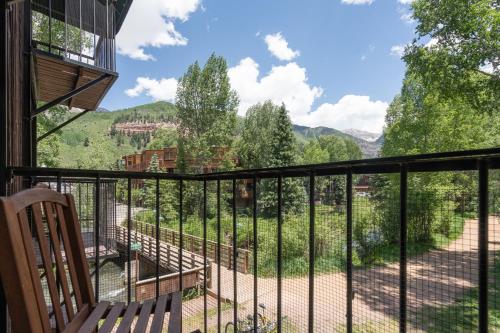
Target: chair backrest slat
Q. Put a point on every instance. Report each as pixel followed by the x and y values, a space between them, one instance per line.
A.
pixel 78 251
pixel 47 264
pixel 61 272
pixel 43 220
pixel 29 249
pixel 69 256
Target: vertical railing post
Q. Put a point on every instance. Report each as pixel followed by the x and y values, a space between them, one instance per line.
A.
pixel 312 218
pixel 483 246
pixel 97 206
pixel 129 246
pixel 205 316
pixel 235 253
pixel 218 260
pixel 157 238
pixel 349 248
pixel 59 183
pixel 403 197
pixel 280 251
pixel 181 238
pixel 255 251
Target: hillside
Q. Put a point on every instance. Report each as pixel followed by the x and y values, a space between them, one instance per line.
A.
pixel 94 128
pixel 369 149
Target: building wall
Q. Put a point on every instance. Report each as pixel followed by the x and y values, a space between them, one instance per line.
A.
pixel 167 160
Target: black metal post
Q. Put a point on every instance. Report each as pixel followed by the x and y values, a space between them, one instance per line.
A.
pixel 129 246
pixel 349 248
pixel 218 259
pixel 483 246
pixel 157 238
pixel 69 95
pixel 96 231
pixel 58 127
pixel 403 197
pixel 50 26
pixel 181 236
pixel 205 315
pixel 59 183
pixel 312 218
pixel 235 261
pixel 255 246
pixel 280 251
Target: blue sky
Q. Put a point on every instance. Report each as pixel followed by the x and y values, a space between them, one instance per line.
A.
pixel 332 62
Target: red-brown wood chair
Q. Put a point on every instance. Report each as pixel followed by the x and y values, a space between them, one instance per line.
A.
pixel 40 238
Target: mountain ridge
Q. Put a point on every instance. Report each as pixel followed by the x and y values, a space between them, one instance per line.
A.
pixel 96 126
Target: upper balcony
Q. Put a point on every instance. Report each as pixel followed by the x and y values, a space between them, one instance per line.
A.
pixel 73 44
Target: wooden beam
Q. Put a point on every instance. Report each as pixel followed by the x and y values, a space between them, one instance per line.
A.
pixel 77 84
pixel 61 125
pixel 69 95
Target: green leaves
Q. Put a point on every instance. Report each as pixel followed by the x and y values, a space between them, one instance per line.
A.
pixel 463 58
pixel 206 109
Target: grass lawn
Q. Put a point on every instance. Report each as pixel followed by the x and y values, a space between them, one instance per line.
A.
pixel 330 239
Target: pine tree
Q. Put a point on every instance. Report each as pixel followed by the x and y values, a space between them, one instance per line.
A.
pixel 283 142
pixel 283 153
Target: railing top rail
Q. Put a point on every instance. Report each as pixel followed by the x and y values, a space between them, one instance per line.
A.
pixel 447 161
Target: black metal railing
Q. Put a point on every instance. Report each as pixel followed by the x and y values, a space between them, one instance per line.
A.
pixel 76 30
pixel 367 280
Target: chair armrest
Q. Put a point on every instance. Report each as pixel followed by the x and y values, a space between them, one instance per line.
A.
pixel 175 321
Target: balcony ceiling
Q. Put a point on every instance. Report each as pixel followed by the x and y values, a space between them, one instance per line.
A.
pixel 56 77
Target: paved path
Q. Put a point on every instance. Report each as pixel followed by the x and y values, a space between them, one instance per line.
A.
pixel 436 278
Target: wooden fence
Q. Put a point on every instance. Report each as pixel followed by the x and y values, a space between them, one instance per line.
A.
pixel 192 264
pixel 195 245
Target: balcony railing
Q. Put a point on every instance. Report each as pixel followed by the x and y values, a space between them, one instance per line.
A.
pixel 81 32
pixel 302 251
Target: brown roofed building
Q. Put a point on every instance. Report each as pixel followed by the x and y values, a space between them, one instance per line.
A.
pixel 167 160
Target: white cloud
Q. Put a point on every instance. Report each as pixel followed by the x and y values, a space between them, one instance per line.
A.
pixel 288 84
pixel 163 89
pixel 431 43
pixel 357 2
pixel 351 111
pixel 398 50
pixel 283 84
pixel 487 68
pixel 150 24
pixel 407 17
pixel 405 2
pixel 278 46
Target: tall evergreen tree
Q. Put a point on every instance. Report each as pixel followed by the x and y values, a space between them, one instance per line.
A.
pixel 284 152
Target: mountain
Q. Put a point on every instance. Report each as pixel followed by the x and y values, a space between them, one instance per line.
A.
pixel 369 149
pixel 96 127
pixel 367 136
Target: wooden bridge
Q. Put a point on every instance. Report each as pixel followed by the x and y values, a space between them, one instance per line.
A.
pixel 194 244
pixel 192 264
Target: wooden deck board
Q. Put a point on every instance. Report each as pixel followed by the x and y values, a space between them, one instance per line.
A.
pixel 56 77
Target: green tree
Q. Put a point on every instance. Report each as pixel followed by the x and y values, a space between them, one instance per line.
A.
pixel 163 138
pixel 283 152
pixel 206 110
pixel 254 149
pixel 48 149
pixel 464 37
pixel 448 102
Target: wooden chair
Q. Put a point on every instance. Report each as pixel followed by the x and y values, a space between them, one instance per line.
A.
pixel 46 220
